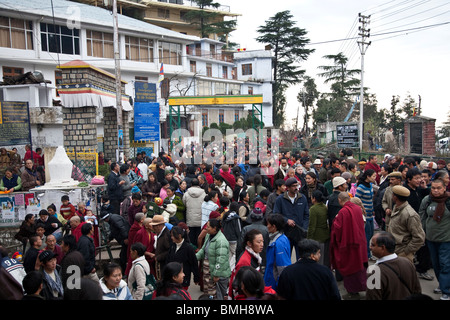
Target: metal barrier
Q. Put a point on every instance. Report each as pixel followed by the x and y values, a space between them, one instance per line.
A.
pixel 85 164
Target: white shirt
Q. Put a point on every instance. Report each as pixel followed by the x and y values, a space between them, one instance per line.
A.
pixel 386 258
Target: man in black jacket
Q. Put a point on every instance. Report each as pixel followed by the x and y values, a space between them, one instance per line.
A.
pixel 87 248
pixel 119 227
pixel 72 257
pixel 115 187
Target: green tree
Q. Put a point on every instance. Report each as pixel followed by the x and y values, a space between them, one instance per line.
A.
pixel 342 82
pixel 206 19
pixel 306 97
pixel 288 44
pixel 393 118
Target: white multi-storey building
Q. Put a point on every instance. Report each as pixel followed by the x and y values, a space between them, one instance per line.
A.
pixel 40 35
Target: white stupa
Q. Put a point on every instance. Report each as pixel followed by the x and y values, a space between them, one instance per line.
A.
pixel 60 170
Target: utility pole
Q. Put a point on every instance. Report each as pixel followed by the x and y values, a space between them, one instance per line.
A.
pixel 363 45
pixel 419 111
pixel 120 153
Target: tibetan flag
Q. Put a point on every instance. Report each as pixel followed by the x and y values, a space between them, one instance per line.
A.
pixel 414 112
pixel 161 74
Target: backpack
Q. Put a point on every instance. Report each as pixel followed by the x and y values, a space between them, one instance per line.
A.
pixel 150 285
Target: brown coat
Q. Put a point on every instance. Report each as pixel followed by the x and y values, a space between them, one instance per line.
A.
pixel 390 285
pixel 29 180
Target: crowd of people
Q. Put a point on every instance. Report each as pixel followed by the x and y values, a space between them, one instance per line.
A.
pixel 241 231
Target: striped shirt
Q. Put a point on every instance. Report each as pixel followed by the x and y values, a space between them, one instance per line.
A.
pixel 366 195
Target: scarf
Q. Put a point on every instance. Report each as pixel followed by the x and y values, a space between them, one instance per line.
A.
pixel 255 255
pixel 55 286
pixel 33 173
pixel 311 188
pixel 439 212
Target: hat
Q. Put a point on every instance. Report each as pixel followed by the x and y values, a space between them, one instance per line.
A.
pixel 387 155
pixel 441 162
pixel 214 215
pixel 317 161
pixel 168 170
pixel 255 215
pixel 424 163
pixel 290 182
pixel 362 162
pixel 432 165
pixel 337 181
pixel 395 174
pixel 135 189
pixel 104 215
pixel 46 255
pixel 346 175
pixel 400 191
pixel 157 219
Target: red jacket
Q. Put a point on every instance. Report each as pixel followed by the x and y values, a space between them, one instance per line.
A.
pixel 348 244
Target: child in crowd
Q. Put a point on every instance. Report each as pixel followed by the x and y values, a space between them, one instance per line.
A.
pixel 67 209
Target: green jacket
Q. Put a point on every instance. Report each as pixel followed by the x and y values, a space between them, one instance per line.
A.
pixel 434 231
pixel 218 255
pixel 318 223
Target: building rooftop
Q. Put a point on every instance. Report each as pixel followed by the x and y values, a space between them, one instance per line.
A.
pixel 69 11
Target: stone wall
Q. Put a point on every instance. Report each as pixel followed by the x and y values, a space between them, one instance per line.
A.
pixel 80 128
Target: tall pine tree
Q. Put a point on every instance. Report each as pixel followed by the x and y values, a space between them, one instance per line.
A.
pixel 288 44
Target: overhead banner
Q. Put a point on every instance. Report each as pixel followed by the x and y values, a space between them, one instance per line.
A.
pixel 146 121
pixel 14 123
pixel 215 100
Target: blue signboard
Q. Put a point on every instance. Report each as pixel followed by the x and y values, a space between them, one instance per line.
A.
pixel 144 92
pixel 146 121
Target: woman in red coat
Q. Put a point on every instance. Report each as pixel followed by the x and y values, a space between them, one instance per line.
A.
pixel 253 245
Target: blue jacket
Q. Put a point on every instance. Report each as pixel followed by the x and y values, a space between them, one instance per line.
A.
pixel 297 211
pixel 278 256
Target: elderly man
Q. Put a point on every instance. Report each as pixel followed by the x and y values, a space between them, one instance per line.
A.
pixel 395 179
pixel 163 243
pixel 75 226
pixel 405 225
pixel 30 177
pixel 397 275
pixel 50 241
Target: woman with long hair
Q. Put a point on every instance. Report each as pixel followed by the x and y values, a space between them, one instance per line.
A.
pixel 312 184
pixel 364 191
pixel 151 188
pixel 171 282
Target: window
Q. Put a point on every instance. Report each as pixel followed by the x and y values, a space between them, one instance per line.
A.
pixel 220 88
pixel 234 73
pixel 100 44
pixel 16 33
pixel 140 79
pixel 204 88
pixel 139 49
pixel 205 118
pixel 209 70
pixel 246 69
pixel 60 39
pixel 236 116
pixel 221 116
pixel 193 66
pixel 58 80
pixel 225 72
pixel 234 89
pixel 212 51
pixel 163 13
pixel 12 71
pixel 250 90
pixel 170 53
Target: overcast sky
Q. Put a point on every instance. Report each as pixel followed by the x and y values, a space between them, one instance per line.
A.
pixel 414 61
